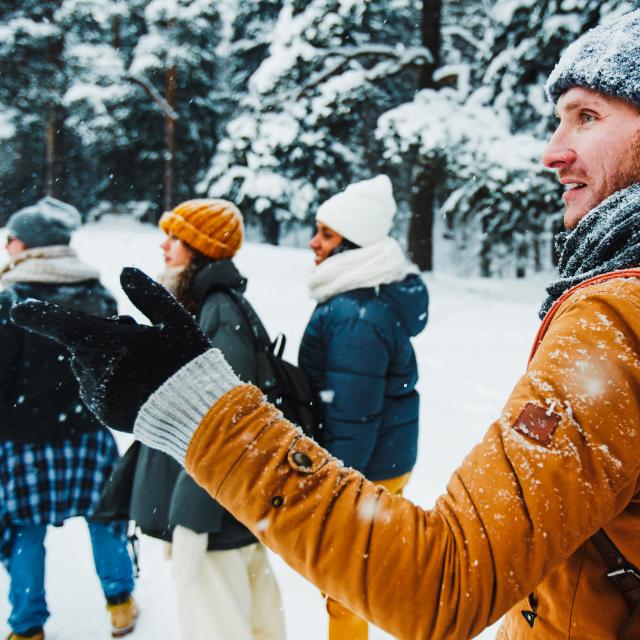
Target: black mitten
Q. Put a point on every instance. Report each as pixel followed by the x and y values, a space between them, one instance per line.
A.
pixel 118 362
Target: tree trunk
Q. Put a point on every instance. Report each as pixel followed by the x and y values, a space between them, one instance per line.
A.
pixel 270 227
pixel 53 174
pixel 423 202
pixel 430 28
pixel 53 128
pixel 421 223
pixel 171 91
pixel 485 251
pixel 522 254
pixel 116 32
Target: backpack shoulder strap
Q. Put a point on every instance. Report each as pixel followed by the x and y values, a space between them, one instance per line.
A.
pixel 623 273
pixel 624 576
pixel 261 338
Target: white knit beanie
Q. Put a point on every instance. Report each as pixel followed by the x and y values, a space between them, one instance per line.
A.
pixel 362 213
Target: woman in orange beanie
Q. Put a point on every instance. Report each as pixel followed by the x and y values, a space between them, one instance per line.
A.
pixel 224 584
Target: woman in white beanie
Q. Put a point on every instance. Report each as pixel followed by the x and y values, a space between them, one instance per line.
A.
pixel 356 348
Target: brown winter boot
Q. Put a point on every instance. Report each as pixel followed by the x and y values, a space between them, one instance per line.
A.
pixel 123 616
pixel 32 635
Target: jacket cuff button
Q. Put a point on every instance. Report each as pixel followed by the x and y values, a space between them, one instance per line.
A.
pixel 302 460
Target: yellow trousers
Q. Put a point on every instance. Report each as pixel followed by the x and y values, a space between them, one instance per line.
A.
pixel 343 624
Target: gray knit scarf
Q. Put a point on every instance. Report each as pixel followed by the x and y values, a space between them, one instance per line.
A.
pixel 607 239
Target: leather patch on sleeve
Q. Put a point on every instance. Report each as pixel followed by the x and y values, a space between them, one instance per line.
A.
pixel 534 422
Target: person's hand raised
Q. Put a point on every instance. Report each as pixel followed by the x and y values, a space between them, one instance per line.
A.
pixel 118 362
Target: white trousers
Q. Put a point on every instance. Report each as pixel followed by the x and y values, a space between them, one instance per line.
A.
pixel 224 595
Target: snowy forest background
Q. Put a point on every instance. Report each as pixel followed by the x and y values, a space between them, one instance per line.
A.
pixel 131 106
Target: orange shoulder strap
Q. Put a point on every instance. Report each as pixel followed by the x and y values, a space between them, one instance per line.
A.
pixel 623 273
pixel 624 576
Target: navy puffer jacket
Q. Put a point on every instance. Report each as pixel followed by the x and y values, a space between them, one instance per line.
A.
pixel 357 353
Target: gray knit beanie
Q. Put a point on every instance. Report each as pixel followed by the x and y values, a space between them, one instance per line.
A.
pixel 48 222
pixel 606 59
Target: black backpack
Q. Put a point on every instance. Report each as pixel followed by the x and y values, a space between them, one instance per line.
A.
pixel 285 385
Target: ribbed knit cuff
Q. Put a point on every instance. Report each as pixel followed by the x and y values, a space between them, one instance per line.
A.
pixel 172 413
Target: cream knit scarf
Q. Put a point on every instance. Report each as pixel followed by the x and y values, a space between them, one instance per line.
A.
pixel 169 278
pixel 57 264
pixel 380 263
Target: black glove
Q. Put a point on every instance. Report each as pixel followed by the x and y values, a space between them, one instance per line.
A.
pixel 118 362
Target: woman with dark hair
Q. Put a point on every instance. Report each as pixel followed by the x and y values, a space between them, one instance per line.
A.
pixel 357 349
pixel 225 586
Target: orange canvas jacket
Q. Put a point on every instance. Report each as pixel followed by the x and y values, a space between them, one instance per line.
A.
pixel 562 460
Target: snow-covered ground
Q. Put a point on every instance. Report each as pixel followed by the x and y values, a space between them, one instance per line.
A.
pixel 472 352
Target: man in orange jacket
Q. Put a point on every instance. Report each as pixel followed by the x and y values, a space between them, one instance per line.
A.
pixel 512 535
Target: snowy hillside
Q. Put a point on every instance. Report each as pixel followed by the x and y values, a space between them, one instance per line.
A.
pixel 472 352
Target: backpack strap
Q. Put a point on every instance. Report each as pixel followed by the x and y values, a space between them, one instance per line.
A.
pixel 622 273
pixel 261 339
pixel 624 576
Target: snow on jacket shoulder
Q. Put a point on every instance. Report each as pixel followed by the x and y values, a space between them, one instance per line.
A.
pixel 357 353
pixel 562 461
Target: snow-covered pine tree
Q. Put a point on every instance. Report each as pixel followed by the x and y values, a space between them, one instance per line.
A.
pixel 175 62
pixel 524 40
pixel 31 87
pixel 71 101
pixel 305 129
pixel 486 135
pixel 245 44
pixel 99 100
pixel 85 106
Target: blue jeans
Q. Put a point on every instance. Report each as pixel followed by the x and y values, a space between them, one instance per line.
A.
pixel 26 570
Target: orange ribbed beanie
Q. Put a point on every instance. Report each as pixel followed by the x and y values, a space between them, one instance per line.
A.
pixel 212 226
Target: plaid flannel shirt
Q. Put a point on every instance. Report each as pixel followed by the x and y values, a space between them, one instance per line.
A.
pixel 48 483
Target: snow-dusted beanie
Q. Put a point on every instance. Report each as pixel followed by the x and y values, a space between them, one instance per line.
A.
pixel 46 223
pixel 605 59
pixel 608 239
pixel 212 226
pixel 362 213
pixel 380 263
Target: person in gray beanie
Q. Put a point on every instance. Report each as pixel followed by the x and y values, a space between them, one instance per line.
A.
pixel 539 524
pixel 55 456
pixel 48 222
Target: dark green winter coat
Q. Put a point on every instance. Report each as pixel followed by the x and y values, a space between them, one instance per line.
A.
pixel 163 494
